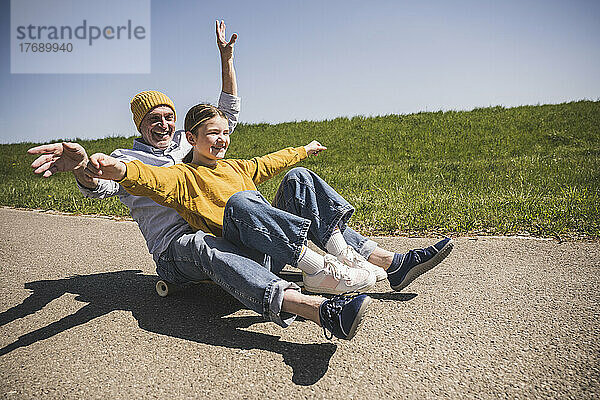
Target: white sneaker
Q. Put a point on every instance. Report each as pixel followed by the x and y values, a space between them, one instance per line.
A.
pixel 336 278
pixel 351 258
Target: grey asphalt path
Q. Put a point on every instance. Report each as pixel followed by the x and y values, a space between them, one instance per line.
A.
pixel 500 318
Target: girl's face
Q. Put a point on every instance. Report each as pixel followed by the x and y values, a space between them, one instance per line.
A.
pixel 210 142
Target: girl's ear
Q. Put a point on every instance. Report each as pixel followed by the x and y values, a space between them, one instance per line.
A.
pixel 190 138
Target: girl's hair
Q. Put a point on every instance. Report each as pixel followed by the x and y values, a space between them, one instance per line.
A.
pixel 199 114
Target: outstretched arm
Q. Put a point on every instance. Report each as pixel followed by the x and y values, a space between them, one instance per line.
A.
pixel 226 50
pixel 265 167
pixel 62 157
pixel 161 184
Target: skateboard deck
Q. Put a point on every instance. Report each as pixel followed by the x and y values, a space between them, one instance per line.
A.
pixel 165 288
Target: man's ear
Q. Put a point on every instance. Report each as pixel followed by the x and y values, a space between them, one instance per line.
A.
pixel 190 138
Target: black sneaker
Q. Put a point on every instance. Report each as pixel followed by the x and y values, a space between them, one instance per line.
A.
pixel 342 314
pixel 416 262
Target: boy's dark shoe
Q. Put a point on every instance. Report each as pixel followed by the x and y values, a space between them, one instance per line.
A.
pixel 407 267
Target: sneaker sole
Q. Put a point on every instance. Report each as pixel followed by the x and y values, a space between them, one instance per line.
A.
pixel 420 269
pixel 336 291
pixel 359 318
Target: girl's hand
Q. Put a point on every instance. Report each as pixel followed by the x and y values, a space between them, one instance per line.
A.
pixel 105 167
pixel 314 148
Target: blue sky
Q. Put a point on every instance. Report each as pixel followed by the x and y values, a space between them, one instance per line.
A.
pixel 315 60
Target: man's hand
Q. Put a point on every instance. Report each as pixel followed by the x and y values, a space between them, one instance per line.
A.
pixel 225 47
pixel 105 167
pixel 314 148
pixel 58 157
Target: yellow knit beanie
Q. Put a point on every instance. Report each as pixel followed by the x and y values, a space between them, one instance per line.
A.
pixel 145 101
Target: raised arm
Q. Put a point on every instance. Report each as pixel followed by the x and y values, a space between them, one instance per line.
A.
pixel 226 49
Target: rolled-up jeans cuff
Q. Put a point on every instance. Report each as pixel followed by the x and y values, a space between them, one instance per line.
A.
pixel 273 302
pixel 342 214
pixel 367 248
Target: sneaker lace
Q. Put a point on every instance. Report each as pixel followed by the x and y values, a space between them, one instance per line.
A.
pixel 348 255
pixel 417 255
pixel 337 269
pixel 354 257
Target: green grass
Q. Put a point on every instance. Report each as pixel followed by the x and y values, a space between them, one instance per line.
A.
pixel 529 170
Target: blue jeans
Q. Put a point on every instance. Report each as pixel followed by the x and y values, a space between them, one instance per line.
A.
pixel 198 256
pixel 259 239
pixel 305 207
pixel 304 193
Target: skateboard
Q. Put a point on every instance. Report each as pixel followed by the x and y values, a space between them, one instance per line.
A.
pixel 165 288
pixel 292 275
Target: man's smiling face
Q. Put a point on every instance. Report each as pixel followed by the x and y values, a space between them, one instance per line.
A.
pixel 158 126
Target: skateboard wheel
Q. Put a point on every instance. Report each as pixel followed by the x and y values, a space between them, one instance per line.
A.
pixel 164 288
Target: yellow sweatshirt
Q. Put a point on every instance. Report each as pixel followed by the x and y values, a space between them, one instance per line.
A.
pixel 199 193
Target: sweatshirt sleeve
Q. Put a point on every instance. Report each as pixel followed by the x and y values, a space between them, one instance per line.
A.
pixel 104 190
pixel 265 167
pixel 161 184
pixel 230 105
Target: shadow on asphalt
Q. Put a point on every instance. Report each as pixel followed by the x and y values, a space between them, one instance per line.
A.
pixel 199 314
pixel 395 296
